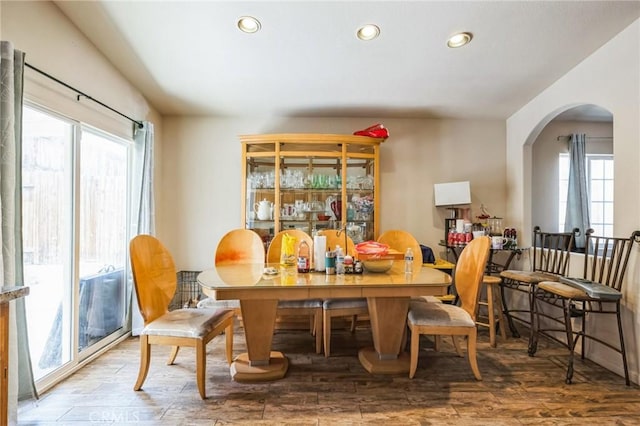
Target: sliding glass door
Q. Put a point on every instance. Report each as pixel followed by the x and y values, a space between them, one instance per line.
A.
pixel 75 211
pixel 47 211
pixel 102 237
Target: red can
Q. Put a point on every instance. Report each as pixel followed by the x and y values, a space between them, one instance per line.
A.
pixel 451 238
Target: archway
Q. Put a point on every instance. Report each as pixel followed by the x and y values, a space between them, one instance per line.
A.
pixel 549 161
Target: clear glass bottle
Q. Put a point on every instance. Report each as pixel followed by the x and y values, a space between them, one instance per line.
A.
pixel 408 261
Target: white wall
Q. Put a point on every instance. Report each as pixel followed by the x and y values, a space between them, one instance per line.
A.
pixel 609 78
pixel 201 171
pixel 545 152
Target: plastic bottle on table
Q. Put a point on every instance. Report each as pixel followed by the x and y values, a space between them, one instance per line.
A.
pixel 339 260
pixel 408 261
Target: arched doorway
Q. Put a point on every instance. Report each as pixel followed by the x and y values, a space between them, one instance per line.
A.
pixel 549 171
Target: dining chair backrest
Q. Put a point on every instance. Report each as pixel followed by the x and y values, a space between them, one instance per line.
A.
pixel 551 250
pixel 154 276
pixel 336 237
pixel 469 272
pixel 606 258
pixel 240 246
pixel 401 240
pixel 273 252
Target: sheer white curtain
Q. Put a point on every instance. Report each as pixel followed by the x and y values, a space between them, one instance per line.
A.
pixel 577 215
pixel 143 202
pixel 11 89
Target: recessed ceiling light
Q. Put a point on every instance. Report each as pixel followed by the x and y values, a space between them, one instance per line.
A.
pixel 368 32
pixel 248 24
pixel 459 39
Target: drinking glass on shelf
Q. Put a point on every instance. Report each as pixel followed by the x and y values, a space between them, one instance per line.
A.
pixel 354 231
pixel 320 181
pixel 298 179
pixel 285 178
pixel 269 179
pixel 352 182
pixel 367 182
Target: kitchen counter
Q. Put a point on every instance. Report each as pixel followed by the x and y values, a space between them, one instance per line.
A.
pixel 12 293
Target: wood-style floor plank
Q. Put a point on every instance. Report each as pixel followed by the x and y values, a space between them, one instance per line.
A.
pixel 516 390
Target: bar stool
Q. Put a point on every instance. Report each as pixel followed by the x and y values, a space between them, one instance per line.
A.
pixel 493 303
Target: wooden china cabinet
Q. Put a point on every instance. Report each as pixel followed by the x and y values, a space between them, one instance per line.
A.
pixel 311 182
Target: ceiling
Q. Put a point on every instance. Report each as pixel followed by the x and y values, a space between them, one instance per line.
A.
pixel 188 57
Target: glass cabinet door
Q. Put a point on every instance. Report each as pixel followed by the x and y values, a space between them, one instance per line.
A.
pixel 310 193
pixel 360 195
pixel 260 197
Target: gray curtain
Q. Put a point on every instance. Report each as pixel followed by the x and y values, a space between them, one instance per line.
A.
pixel 11 88
pixel 143 202
pixel 577 215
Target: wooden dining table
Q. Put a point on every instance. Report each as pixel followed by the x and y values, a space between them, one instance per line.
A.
pixel 259 287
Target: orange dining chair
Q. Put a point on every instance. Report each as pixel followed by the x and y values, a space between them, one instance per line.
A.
pixel 340 307
pixel 306 307
pixel 337 237
pixel 401 240
pixel 451 320
pixel 273 251
pixel 236 246
pixel 154 277
pixel 240 246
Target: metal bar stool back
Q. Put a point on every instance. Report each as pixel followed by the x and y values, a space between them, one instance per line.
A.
pixel 598 291
pixel 550 258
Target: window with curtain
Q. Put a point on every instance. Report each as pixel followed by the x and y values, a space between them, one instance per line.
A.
pixel 600 182
pixel 76 182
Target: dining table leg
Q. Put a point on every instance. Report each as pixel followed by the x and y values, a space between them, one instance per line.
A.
pixel 388 317
pixel 259 363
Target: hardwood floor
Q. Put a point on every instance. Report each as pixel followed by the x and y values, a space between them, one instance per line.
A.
pixel 515 390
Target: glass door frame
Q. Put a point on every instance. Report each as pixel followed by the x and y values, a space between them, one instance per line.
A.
pixel 71 262
pixel 126 325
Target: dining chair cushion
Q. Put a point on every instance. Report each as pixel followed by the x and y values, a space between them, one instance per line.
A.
pixel 439 314
pixel 298 304
pixel 346 303
pixel 428 299
pixel 193 323
pixel 210 303
pixel 562 290
pixel 529 276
